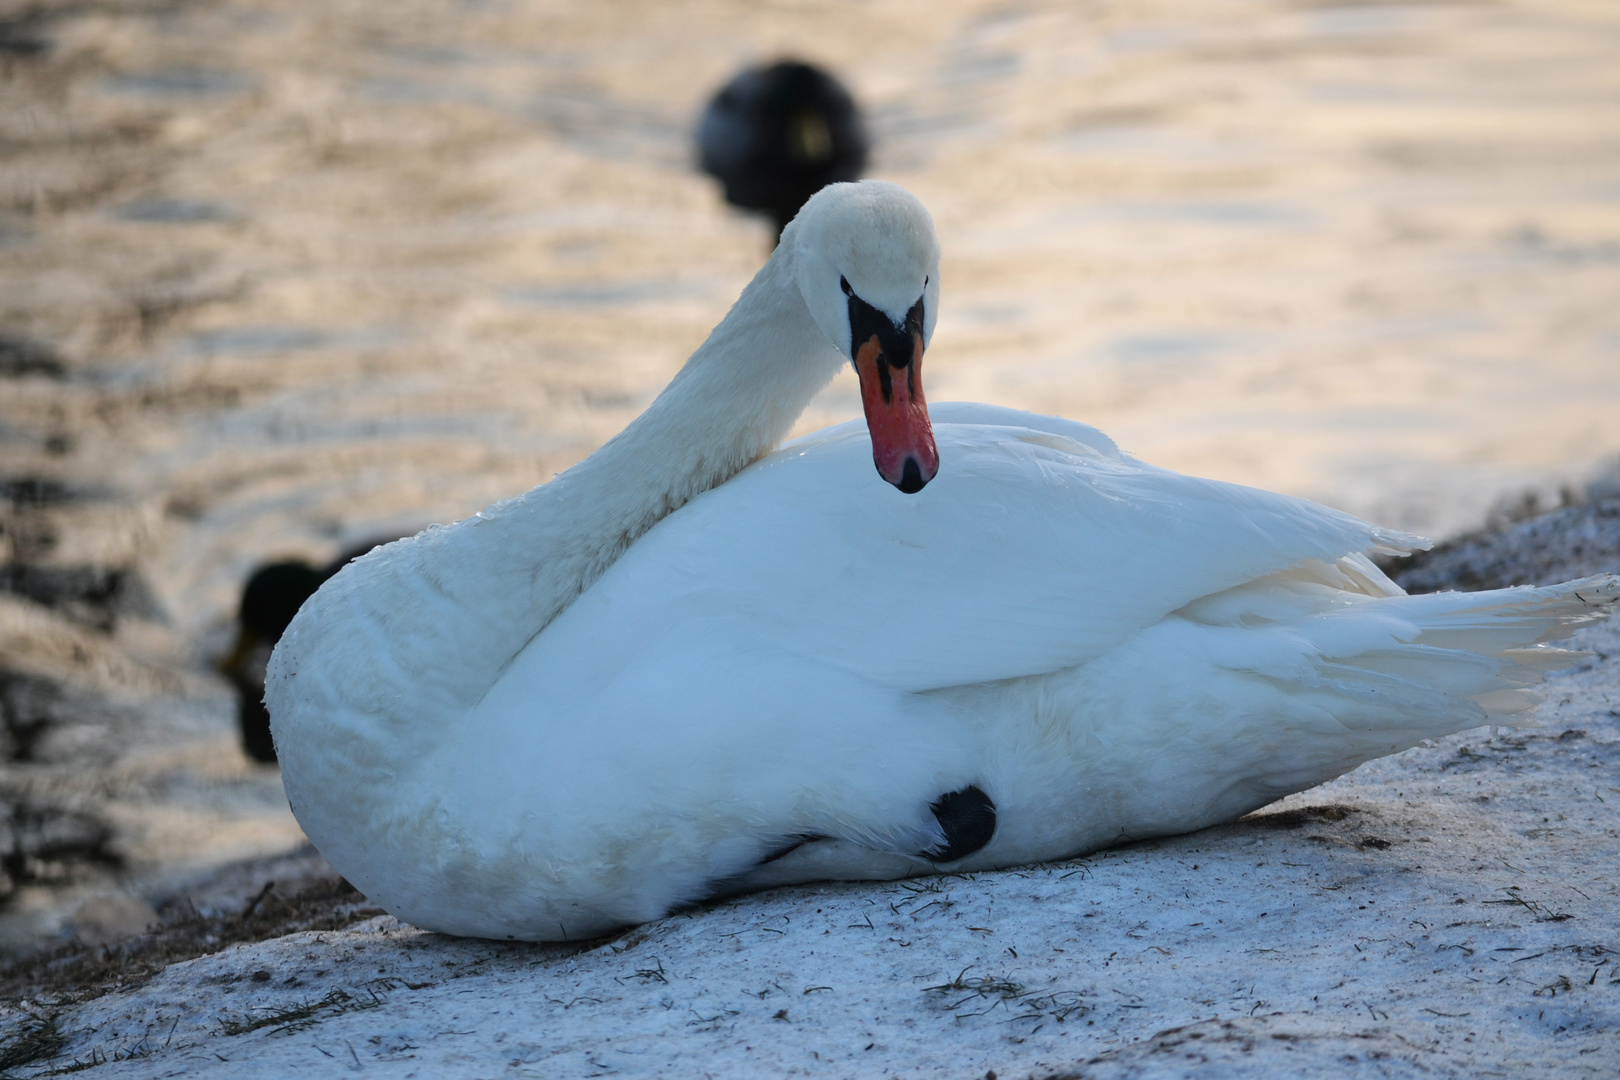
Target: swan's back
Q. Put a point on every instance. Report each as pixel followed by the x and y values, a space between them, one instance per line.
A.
pixel 1040 547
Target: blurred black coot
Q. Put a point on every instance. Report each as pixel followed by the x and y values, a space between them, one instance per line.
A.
pixel 774 136
pixel 270 599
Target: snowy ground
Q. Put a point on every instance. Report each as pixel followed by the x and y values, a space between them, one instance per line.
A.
pixel 1451 911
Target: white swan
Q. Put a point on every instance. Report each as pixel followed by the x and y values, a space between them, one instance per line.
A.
pixel 689 665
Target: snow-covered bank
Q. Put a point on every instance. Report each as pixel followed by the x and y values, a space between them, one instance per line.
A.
pixel 1451 911
pixel 1568 543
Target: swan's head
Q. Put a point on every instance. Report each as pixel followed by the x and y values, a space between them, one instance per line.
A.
pixel 868 268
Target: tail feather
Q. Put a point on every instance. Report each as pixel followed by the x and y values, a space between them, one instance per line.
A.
pixel 1445 671
pixel 1278 685
pixel 1524 615
pixel 1490 648
pixel 1391 669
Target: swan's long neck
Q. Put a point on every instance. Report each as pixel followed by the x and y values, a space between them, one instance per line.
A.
pixel 731 404
pixel 440 615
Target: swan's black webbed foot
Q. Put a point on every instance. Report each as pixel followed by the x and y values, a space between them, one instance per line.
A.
pixel 969 820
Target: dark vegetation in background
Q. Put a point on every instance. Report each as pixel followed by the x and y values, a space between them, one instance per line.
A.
pixel 50 844
pixel 44 841
pixel 41 840
pixel 21 355
pixel 90 594
pixel 22 34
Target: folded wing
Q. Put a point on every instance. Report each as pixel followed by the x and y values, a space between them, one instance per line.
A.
pixel 1039 546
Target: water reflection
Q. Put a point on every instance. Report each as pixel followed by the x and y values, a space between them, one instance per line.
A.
pixel 284 339
pixel 610 294
pixel 163 211
pixel 1165 347
pixel 180 82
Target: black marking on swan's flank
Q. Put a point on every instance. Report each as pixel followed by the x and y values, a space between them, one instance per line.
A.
pixel 969 820
pixel 790 847
pixel 911 482
pixel 720 888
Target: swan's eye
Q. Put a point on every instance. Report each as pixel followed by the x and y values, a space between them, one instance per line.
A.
pixel 843 283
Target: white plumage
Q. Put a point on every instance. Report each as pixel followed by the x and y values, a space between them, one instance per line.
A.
pixel 638 685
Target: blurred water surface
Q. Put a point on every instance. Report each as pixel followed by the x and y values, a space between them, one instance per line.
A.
pixel 319 271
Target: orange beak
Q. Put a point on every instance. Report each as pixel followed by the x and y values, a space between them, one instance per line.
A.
pixel 896 413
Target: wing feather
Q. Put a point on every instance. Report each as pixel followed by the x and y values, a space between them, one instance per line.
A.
pixel 1039 546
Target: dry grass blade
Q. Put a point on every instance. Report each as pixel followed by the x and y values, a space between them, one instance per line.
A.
pixel 88 971
pixel 37 1040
